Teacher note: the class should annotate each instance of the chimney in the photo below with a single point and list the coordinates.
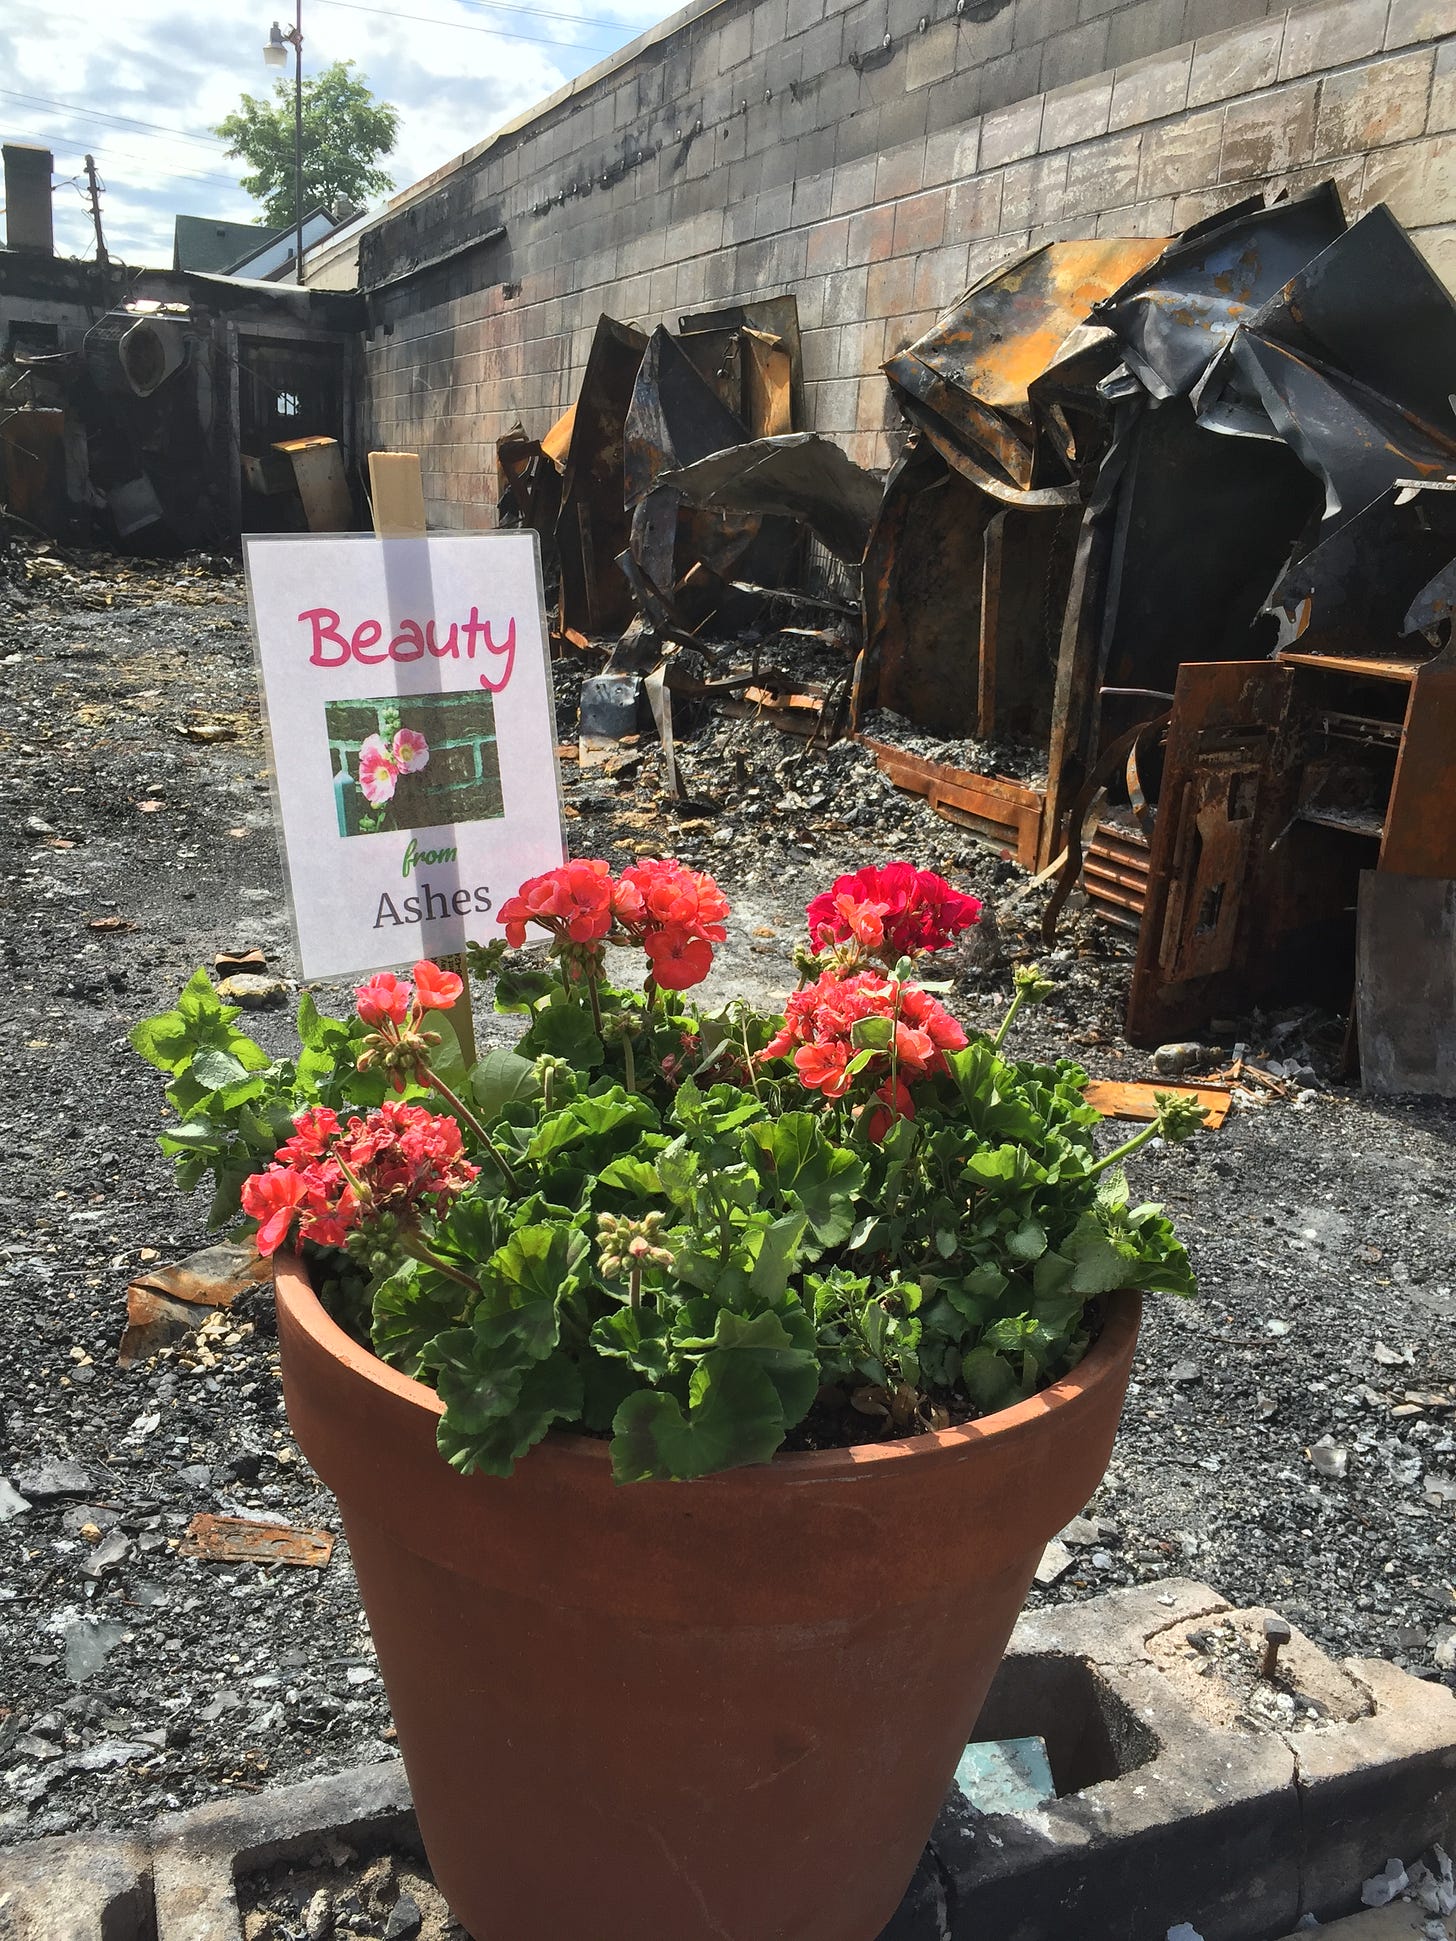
(28, 198)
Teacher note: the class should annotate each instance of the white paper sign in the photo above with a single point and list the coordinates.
(409, 708)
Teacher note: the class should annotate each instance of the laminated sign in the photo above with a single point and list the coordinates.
(409, 709)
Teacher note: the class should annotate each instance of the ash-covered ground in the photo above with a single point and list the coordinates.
(1288, 1438)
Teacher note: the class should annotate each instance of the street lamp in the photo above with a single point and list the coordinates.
(275, 56)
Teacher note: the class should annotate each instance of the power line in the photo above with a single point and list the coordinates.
(74, 142)
(463, 26)
(547, 13)
(126, 121)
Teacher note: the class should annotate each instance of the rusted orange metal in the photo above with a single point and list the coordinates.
(237, 1540)
(1116, 1099)
(965, 382)
(1006, 813)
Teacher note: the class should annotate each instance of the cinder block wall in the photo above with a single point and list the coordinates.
(754, 147)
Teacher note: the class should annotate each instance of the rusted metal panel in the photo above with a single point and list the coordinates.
(1002, 812)
(593, 525)
(922, 595)
(1420, 818)
(965, 383)
(238, 1540)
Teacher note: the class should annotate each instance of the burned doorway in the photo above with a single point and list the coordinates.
(287, 388)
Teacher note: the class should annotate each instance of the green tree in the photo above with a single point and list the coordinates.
(345, 131)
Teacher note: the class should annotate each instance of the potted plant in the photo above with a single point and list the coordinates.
(764, 1353)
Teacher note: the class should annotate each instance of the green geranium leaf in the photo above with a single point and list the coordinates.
(778, 1250)
(498, 1078)
(550, 1391)
(639, 1337)
(410, 1308)
(564, 1029)
(822, 1178)
(735, 1418)
(217, 1069)
(990, 1380)
(520, 989)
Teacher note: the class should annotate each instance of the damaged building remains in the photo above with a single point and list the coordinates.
(1058, 399)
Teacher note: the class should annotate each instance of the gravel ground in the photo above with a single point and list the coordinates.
(1269, 1446)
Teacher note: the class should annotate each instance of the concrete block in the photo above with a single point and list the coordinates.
(828, 247)
(951, 153)
(1319, 38)
(1412, 20)
(973, 208)
(1139, 219)
(1235, 62)
(940, 277)
(769, 23)
(1150, 90)
(1375, 105)
(1145, 28)
(735, 42)
(932, 55)
(954, 103)
(844, 300)
(1181, 154)
(1442, 112)
(871, 235)
(902, 121)
(1417, 179)
(890, 287)
(854, 187)
(1008, 134)
(861, 348)
(1011, 78)
(1270, 134)
(1105, 176)
(802, 15)
(919, 222)
(900, 173)
(1438, 246)
(986, 40)
(1075, 114)
(812, 196)
(1034, 192)
(1072, 56)
(1037, 20)
(87, 1887)
(198, 1856)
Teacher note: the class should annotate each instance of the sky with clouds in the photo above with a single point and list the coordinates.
(139, 84)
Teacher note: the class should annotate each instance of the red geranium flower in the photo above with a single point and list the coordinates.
(919, 910)
(385, 999)
(436, 989)
(678, 959)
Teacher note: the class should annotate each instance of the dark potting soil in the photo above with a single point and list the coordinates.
(1268, 1446)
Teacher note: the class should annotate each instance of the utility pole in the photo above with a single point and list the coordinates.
(298, 135)
(93, 188)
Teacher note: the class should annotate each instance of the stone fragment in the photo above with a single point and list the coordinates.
(12, 1503)
(1056, 1561)
(252, 992)
(1383, 1887)
(405, 1919)
(109, 1553)
(57, 1478)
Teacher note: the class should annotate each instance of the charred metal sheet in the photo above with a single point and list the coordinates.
(675, 418)
(1356, 442)
(593, 526)
(773, 317)
(238, 1540)
(922, 595)
(801, 476)
(1173, 316)
(1372, 307)
(966, 382)
(1357, 590)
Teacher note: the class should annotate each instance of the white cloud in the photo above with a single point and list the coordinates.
(179, 69)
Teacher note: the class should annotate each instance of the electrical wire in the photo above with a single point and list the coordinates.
(125, 121)
(150, 161)
(548, 13)
(469, 26)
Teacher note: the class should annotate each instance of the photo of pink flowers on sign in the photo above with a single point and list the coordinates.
(382, 747)
(412, 729)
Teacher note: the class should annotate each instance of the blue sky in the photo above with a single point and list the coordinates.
(140, 83)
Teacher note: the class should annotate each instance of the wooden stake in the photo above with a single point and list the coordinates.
(397, 500)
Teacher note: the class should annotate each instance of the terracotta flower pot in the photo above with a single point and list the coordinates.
(725, 1710)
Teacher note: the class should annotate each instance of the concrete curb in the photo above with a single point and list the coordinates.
(1162, 1817)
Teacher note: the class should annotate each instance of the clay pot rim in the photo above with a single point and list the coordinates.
(293, 1287)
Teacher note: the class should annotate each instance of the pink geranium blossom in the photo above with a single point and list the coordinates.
(378, 771)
